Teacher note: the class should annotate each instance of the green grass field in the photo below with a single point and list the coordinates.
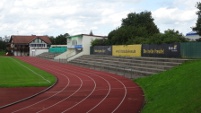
(15, 73)
(175, 91)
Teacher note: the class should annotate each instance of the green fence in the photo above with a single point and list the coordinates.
(58, 49)
(191, 50)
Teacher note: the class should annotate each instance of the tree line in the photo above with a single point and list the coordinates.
(59, 40)
(139, 28)
(2, 45)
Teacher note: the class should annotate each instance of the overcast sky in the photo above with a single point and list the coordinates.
(55, 17)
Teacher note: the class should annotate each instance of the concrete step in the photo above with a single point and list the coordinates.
(134, 58)
(166, 65)
(118, 67)
(128, 73)
(130, 67)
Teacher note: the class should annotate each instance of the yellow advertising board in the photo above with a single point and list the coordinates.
(127, 50)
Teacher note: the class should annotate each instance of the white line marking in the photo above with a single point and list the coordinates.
(84, 98)
(48, 97)
(124, 87)
(109, 90)
(64, 98)
(123, 97)
(30, 70)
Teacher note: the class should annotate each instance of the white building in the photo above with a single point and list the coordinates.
(193, 35)
(78, 45)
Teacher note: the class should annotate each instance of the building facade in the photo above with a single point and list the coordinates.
(78, 45)
(29, 45)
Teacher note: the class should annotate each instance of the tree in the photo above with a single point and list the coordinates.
(59, 40)
(139, 28)
(198, 40)
(143, 19)
(99, 42)
(133, 27)
(91, 33)
(52, 39)
(2, 45)
(169, 36)
(6, 38)
(198, 23)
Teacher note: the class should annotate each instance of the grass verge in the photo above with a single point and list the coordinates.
(15, 73)
(175, 91)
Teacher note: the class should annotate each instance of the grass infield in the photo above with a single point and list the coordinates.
(15, 73)
(175, 91)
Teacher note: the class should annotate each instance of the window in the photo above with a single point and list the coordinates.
(74, 42)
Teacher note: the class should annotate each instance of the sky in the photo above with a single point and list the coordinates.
(55, 17)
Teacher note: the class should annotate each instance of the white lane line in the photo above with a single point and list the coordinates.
(124, 87)
(119, 103)
(124, 94)
(64, 98)
(109, 90)
(84, 98)
(43, 99)
(85, 74)
(30, 70)
(48, 97)
(103, 89)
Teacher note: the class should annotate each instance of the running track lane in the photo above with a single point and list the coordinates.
(81, 90)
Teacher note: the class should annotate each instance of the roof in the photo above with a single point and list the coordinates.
(192, 33)
(17, 39)
(87, 35)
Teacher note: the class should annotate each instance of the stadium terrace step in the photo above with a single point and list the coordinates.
(48, 55)
(135, 58)
(118, 67)
(130, 67)
(132, 62)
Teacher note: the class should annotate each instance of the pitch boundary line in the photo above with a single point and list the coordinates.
(31, 70)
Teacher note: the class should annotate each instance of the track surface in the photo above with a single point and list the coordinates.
(81, 90)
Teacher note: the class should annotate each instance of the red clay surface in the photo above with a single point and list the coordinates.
(80, 90)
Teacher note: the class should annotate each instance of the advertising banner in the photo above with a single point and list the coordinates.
(127, 50)
(162, 50)
(102, 50)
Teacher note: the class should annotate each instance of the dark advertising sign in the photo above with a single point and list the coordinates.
(162, 50)
(102, 50)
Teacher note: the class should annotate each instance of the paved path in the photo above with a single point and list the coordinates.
(81, 90)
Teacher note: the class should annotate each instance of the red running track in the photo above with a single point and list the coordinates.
(81, 90)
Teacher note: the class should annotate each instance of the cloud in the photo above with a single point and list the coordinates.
(61, 16)
(180, 15)
(55, 17)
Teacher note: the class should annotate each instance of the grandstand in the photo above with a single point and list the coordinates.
(48, 55)
(54, 51)
(130, 67)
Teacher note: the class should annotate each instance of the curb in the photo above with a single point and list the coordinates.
(24, 99)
